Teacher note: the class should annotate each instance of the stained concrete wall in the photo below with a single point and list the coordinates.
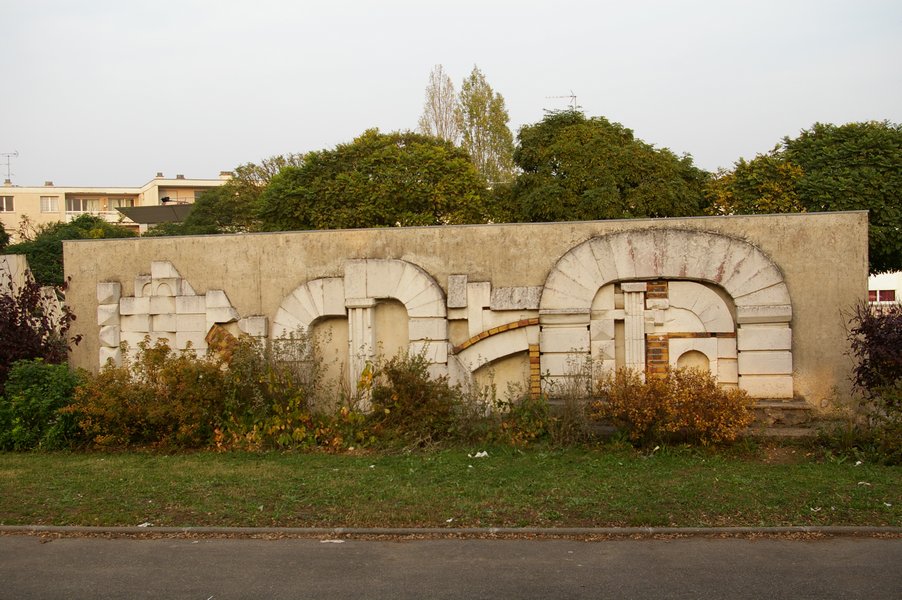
(821, 259)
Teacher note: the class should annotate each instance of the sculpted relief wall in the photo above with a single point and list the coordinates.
(755, 300)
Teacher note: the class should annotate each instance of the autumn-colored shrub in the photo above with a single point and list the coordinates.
(160, 398)
(686, 405)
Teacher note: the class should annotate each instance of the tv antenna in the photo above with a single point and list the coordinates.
(571, 98)
(7, 156)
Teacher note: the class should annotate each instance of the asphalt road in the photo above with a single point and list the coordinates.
(78, 567)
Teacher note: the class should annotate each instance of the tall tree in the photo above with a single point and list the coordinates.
(856, 166)
(482, 119)
(440, 108)
(378, 180)
(577, 168)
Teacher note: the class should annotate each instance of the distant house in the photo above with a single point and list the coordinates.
(885, 288)
(50, 203)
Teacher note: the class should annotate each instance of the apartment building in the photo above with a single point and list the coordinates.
(49, 203)
(885, 288)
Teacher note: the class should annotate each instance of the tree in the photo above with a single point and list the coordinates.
(4, 237)
(378, 180)
(482, 120)
(578, 168)
(857, 166)
(766, 184)
(45, 250)
(439, 118)
(232, 207)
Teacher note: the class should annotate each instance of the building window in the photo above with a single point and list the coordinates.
(872, 295)
(6, 204)
(78, 205)
(887, 296)
(115, 203)
(50, 204)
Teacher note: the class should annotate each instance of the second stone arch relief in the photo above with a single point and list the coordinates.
(379, 306)
(648, 299)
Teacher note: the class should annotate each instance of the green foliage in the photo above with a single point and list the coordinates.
(30, 328)
(482, 122)
(766, 184)
(378, 180)
(29, 407)
(410, 406)
(686, 405)
(578, 168)
(162, 399)
(45, 250)
(4, 237)
(857, 166)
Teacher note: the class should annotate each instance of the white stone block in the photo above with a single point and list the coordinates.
(726, 348)
(110, 354)
(333, 296)
(772, 295)
(196, 339)
(163, 323)
(457, 314)
(563, 363)
(162, 269)
(765, 363)
(222, 314)
(134, 306)
(564, 339)
(767, 386)
(532, 334)
(564, 317)
(431, 306)
(727, 371)
(764, 314)
(605, 350)
(109, 336)
(142, 286)
(434, 352)
(428, 329)
(677, 347)
(187, 290)
(457, 291)
(657, 303)
(383, 277)
(515, 298)
(632, 287)
(751, 337)
(217, 299)
(255, 326)
(355, 279)
(191, 322)
(132, 338)
(162, 305)
(196, 305)
(108, 314)
(109, 292)
(171, 286)
(136, 323)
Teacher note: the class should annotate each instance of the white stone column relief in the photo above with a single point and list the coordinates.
(634, 324)
(361, 337)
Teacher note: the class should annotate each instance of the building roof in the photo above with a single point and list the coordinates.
(152, 215)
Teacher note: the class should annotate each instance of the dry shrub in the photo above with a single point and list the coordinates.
(686, 405)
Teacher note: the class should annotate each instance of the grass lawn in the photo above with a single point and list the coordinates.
(767, 486)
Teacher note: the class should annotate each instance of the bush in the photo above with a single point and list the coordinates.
(30, 407)
(411, 406)
(29, 329)
(162, 398)
(686, 405)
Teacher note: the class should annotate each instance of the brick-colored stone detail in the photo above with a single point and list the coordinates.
(657, 290)
(495, 331)
(535, 371)
(657, 355)
(701, 334)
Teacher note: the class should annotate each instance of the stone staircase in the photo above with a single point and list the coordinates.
(783, 419)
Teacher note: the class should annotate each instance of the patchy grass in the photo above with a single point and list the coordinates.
(446, 488)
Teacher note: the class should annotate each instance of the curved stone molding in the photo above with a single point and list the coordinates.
(308, 302)
(750, 278)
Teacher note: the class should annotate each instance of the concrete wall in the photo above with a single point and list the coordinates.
(482, 293)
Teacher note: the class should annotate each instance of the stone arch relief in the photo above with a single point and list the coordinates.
(365, 282)
(645, 273)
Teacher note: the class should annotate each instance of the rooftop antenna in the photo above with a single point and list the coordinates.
(571, 97)
(7, 156)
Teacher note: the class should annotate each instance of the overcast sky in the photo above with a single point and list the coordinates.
(110, 92)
